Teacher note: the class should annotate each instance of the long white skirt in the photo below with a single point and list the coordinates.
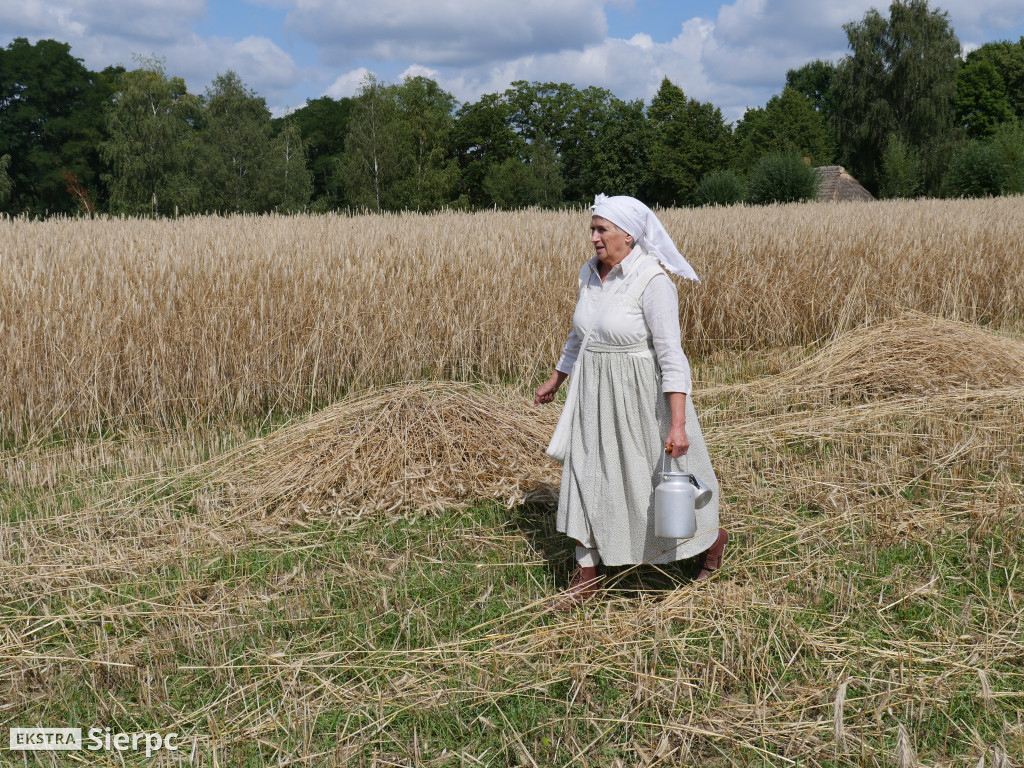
(614, 463)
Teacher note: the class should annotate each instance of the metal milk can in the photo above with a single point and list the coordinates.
(674, 512)
(675, 504)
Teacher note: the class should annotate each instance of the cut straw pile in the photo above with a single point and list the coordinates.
(911, 355)
(426, 446)
(416, 446)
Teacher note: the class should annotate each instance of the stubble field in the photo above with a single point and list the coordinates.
(274, 484)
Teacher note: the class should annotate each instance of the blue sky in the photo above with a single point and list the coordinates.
(734, 53)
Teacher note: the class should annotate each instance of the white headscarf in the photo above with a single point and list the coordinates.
(636, 219)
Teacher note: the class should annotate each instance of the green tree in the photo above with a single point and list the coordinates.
(243, 167)
(483, 140)
(400, 151)
(781, 178)
(374, 161)
(51, 121)
(587, 139)
(425, 112)
(288, 165)
(992, 166)
(1008, 140)
(577, 123)
(977, 170)
(690, 139)
(515, 183)
(600, 142)
(982, 102)
(1008, 60)
(721, 188)
(899, 79)
(323, 124)
(153, 145)
(814, 80)
(547, 170)
(512, 184)
(620, 162)
(6, 186)
(901, 173)
(787, 124)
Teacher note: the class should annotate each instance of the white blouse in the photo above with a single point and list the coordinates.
(659, 320)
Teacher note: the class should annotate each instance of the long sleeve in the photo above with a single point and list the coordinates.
(660, 303)
(569, 353)
(571, 350)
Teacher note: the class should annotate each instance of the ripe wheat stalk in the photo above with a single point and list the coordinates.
(109, 321)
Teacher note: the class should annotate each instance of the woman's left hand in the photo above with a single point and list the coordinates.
(676, 444)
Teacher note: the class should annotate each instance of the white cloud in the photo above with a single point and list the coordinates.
(259, 59)
(736, 57)
(67, 20)
(348, 84)
(736, 60)
(146, 22)
(282, 5)
(415, 70)
(447, 32)
(980, 21)
(630, 69)
(262, 65)
(754, 42)
(39, 19)
(150, 21)
(101, 35)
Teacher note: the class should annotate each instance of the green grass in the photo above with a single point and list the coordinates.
(436, 602)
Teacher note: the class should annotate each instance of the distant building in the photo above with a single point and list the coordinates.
(835, 185)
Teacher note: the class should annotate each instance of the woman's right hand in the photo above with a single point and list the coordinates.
(545, 393)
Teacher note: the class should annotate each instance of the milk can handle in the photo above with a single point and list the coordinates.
(664, 461)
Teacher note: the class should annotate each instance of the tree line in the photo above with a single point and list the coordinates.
(903, 111)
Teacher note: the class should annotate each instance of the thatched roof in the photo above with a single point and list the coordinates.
(837, 186)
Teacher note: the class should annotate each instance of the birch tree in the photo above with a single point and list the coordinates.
(374, 162)
(153, 144)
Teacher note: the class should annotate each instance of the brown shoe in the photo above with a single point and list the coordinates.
(583, 585)
(712, 558)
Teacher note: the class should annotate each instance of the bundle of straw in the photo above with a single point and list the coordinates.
(911, 354)
(414, 446)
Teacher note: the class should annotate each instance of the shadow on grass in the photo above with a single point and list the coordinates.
(535, 518)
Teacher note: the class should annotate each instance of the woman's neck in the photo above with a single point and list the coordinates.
(603, 267)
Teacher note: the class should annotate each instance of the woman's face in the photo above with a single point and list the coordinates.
(610, 242)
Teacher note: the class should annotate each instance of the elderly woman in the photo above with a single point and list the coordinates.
(631, 398)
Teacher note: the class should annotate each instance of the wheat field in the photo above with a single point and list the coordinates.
(107, 322)
(275, 484)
